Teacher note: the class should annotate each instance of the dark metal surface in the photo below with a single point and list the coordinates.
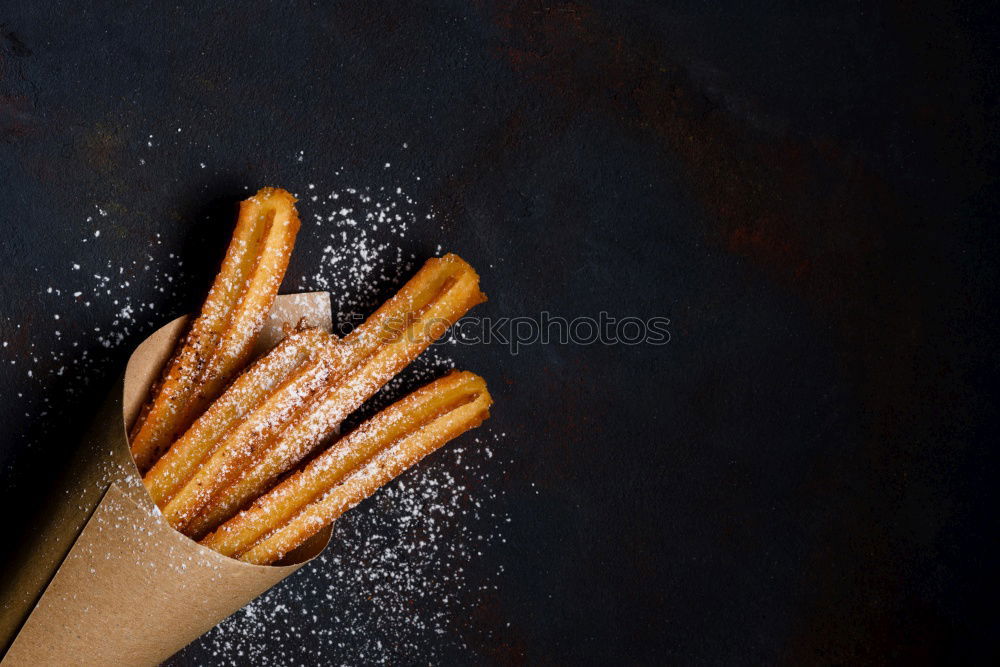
(801, 475)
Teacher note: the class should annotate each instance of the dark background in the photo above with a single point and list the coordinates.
(806, 190)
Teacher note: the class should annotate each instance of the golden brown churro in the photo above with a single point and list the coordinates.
(434, 299)
(353, 468)
(221, 338)
(237, 444)
(175, 468)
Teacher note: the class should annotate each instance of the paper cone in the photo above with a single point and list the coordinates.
(105, 580)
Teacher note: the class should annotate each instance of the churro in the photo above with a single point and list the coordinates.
(246, 394)
(236, 445)
(435, 298)
(353, 468)
(220, 340)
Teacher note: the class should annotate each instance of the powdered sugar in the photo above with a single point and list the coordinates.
(398, 582)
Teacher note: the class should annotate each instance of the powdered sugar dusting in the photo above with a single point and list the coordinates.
(364, 230)
(395, 584)
(74, 362)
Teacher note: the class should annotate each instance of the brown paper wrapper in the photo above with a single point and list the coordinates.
(105, 580)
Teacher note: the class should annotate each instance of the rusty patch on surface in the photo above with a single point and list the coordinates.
(17, 119)
(819, 222)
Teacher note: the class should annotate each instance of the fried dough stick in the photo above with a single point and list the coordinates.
(221, 338)
(238, 440)
(434, 299)
(353, 468)
(175, 468)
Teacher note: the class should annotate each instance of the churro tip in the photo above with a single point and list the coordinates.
(269, 192)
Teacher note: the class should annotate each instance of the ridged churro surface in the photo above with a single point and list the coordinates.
(220, 339)
(248, 435)
(246, 394)
(354, 468)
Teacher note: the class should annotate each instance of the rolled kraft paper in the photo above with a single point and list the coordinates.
(106, 580)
